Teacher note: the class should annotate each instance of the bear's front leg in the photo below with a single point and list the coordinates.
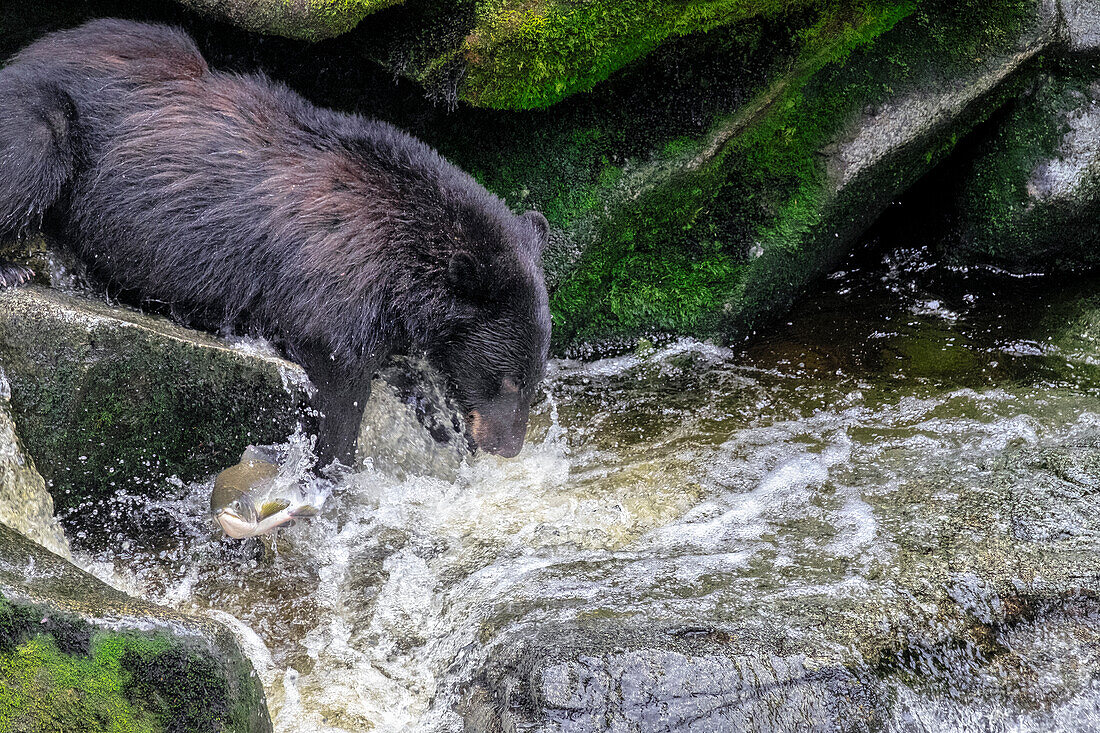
(342, 394)
(340, 409)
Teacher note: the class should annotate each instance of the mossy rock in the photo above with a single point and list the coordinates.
(79, 656)
(1030, 198)
(700, 191)
(111, 400)
(507, 54)
(310, 20)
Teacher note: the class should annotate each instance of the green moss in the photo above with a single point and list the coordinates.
(671, 261)
(42, 689)
(532, 53)
(58, 674)
(654, 270)
(322, 18)
(802, 224)
(1005, 221)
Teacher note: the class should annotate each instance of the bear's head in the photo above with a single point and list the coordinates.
(496, 355)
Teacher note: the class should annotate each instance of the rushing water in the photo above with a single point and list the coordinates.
(883, 514)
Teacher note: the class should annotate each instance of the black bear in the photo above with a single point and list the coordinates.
(244, 207)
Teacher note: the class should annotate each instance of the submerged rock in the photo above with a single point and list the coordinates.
(985, 593)
(76, 654)
(605, 676)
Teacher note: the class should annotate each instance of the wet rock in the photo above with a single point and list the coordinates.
(76, 653)
(25, 505)
(411, 427)
(985, 590)
(1031, 197)
(604, 676)
(1081, 24)
(108, 399)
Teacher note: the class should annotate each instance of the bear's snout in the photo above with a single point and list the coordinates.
(499, 428)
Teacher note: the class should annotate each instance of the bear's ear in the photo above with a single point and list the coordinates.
(541, 228)
(466, 275)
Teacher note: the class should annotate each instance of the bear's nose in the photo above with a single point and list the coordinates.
(509, 447)
(500, 437)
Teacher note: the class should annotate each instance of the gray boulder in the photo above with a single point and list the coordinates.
(25, 505)
(1081, 24)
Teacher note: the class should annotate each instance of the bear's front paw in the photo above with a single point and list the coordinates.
(14, 275)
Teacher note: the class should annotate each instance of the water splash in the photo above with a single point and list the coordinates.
(882, 506)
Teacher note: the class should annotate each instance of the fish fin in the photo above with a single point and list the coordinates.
(272, 506)
(305, 510)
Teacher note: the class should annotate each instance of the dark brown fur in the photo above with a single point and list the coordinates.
(245, 207)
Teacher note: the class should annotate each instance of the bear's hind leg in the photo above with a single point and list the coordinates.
(37, 151)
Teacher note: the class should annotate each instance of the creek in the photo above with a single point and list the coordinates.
(880, 515)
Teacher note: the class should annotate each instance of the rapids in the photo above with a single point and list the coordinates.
(890, 495)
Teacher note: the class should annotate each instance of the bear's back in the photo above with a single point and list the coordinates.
(112, 50)
(232, 198)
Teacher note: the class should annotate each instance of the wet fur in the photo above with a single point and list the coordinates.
(244, 207)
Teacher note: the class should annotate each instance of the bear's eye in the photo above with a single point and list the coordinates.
(509, 386)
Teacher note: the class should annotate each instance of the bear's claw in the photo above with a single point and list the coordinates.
(14, 275)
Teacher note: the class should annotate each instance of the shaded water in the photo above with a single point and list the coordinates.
(883, 515)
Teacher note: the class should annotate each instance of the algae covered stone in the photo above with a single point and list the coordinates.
(524, 55)
(77, 655)
(310, 20)
(1030, 198)
(110, 399)
(695, 195)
